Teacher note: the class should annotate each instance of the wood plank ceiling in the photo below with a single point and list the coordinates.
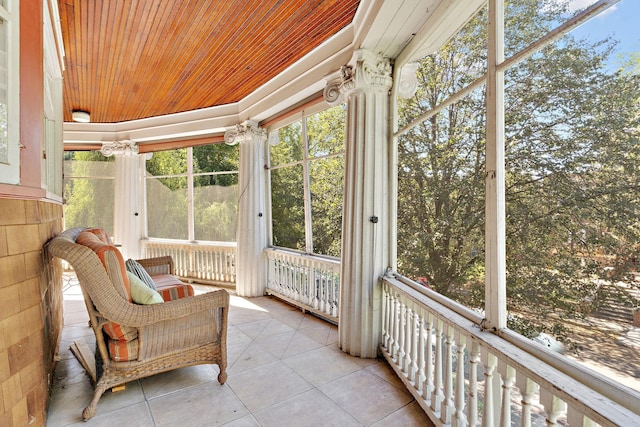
(129, 60)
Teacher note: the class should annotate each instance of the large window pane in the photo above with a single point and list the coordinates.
(327, 184)
(287, 207)
(4, 99)
(289, 149)
(89, 187)
(572, 147)
(441, 200)
(216, 207)
(215, 158)
(325, 131)
(167, 208)
(166, 163)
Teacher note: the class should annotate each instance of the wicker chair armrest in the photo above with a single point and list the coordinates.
(158, 265)
(134, 315)
(110, 304)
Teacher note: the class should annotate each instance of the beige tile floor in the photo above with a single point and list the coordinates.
(285, 369)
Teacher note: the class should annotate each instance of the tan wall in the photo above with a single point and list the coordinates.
(30, 309)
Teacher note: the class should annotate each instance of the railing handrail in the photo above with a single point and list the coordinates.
(189, 242)
(308, 281)
(567, 383)
(617, 392)
(458, 308)
(292, 252)
(204, 262)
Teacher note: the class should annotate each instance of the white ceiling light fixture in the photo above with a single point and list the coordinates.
(81, 116)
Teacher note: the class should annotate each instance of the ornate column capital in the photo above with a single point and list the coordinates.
(370, 71)
(408, 83)
(247, 131)
(119, 148)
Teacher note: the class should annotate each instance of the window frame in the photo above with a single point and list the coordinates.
(10, 171)
(52, 161)
(190, 175)
(304, 162)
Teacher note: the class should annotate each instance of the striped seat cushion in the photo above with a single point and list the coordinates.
(123, 351)
(171, 288)
(119, 332)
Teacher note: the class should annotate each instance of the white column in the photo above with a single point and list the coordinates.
(251, 235)
(127, 221)
(495, 240)
(366, 222)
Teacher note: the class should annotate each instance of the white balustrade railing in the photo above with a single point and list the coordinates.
(307, 281)
(200, 262)
(462, 375)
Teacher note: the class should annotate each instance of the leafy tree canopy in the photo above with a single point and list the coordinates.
(572, 147)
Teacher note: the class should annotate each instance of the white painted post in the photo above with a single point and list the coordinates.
(416, 331)
(366, 222)
(495, 258)
(252, 233)
(128, 203)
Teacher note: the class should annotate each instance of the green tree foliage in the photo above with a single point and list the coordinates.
(287, 189)
(215, 181)
(216, 192)
(325, 167)
(572, 182)
(89, 190)
(325, 132)
(215, 158)
(167, 203)
(167, 163)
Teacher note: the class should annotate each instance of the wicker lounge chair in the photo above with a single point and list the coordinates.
(188, 331)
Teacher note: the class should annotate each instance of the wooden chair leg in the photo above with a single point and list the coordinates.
(222, 377)
(90, 410)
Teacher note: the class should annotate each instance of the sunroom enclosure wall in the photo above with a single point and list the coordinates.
(376, 313)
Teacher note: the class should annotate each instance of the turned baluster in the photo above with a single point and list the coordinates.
(472, 405)
(437, 395)
(508, 380)
(553, 406)
(459, 416)
(428, 390)
(447, 404)
(528, 389)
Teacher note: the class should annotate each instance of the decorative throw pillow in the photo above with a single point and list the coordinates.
(134, 267)
(141, 293)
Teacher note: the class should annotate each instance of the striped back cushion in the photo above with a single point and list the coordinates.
(114, 265)
(111, 259)
(100, 234)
